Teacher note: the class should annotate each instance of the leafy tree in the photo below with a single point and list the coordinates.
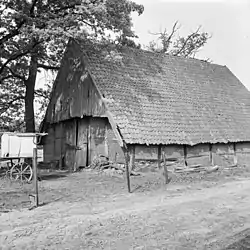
(173, 44)
(33, 36)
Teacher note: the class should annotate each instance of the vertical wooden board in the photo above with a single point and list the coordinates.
(70, 132)
(243, 147)
(173, 151)
(198, 154)
(223, 160)
(159, 156)
(97, 137)
(243, 159)
(243, 153)
(197, 150)
(58, 130)
(223, 154)
(48, 145)
(82, 142)
(115, 152)
(57, 152)
(48, 152)
(202, 160)
(84, 97)
(69, 159)
(131, 149)
(223, 149)
(70, 139)
(144, 152)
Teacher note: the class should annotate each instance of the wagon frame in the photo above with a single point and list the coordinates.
(19, 167)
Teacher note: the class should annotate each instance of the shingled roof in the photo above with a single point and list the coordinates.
(163, 99)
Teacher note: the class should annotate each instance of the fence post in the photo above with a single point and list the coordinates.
(35, 175)
(235, 155)
(165, 167)
(211, 156)
(185, 155)
(127, 169)
(159, 156)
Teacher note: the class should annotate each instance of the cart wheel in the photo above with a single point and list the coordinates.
(21, 171)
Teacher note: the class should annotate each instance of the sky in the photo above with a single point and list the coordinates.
(227, 21)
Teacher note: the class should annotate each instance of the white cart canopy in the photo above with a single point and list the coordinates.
(15, 145)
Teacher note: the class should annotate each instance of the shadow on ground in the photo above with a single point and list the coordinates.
(242, 241)
(51, 176)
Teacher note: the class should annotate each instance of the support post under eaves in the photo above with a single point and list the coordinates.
(126, 154)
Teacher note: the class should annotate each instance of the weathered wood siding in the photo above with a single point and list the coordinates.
(49, 145)
(114, 150)
(222, 154)
(70, 144)
(173, 151)
(143, 152)
(74, 94)
(82, 142)
(78, 141)
(198, 154)
(97, 143)
(243, 153)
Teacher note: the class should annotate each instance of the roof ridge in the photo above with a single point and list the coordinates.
(152, 53)
(158, 54)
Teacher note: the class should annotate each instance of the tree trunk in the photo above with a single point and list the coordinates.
(29, 115)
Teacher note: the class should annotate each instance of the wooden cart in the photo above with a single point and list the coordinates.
(16, 155)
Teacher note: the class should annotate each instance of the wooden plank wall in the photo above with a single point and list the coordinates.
(114, 150)
(203, 154)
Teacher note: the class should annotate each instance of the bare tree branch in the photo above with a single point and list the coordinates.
(18, 55)
(21, 77)
(32, 8)
(165, 38)
(5, 78)
(5, 106)
(47, 67)
(174, 30)
(12, 33)
(41, 94)
(186, 41)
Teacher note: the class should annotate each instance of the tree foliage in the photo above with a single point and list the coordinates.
(173, 44)
(33, 36)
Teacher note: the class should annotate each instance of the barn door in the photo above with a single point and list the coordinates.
(97, 138)
(70, 144)
(82, 143)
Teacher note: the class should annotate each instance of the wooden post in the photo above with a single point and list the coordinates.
(159, 156)
(132, 158)
(165, 167)
(35, 176)
(235, 156)
(185, 155)
(211, 158)
(61, 148)
(127, 169)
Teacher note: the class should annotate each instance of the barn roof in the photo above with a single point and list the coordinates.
(163, 99)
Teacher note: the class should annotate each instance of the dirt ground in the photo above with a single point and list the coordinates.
(90, 210)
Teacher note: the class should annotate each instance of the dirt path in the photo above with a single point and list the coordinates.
(196, 218)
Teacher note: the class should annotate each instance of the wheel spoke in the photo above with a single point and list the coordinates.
(17, 170)
(27, 172)
(26, 168)
(22, 172)
(26, 178)
(15, 176)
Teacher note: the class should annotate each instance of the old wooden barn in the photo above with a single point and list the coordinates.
(111, 99)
